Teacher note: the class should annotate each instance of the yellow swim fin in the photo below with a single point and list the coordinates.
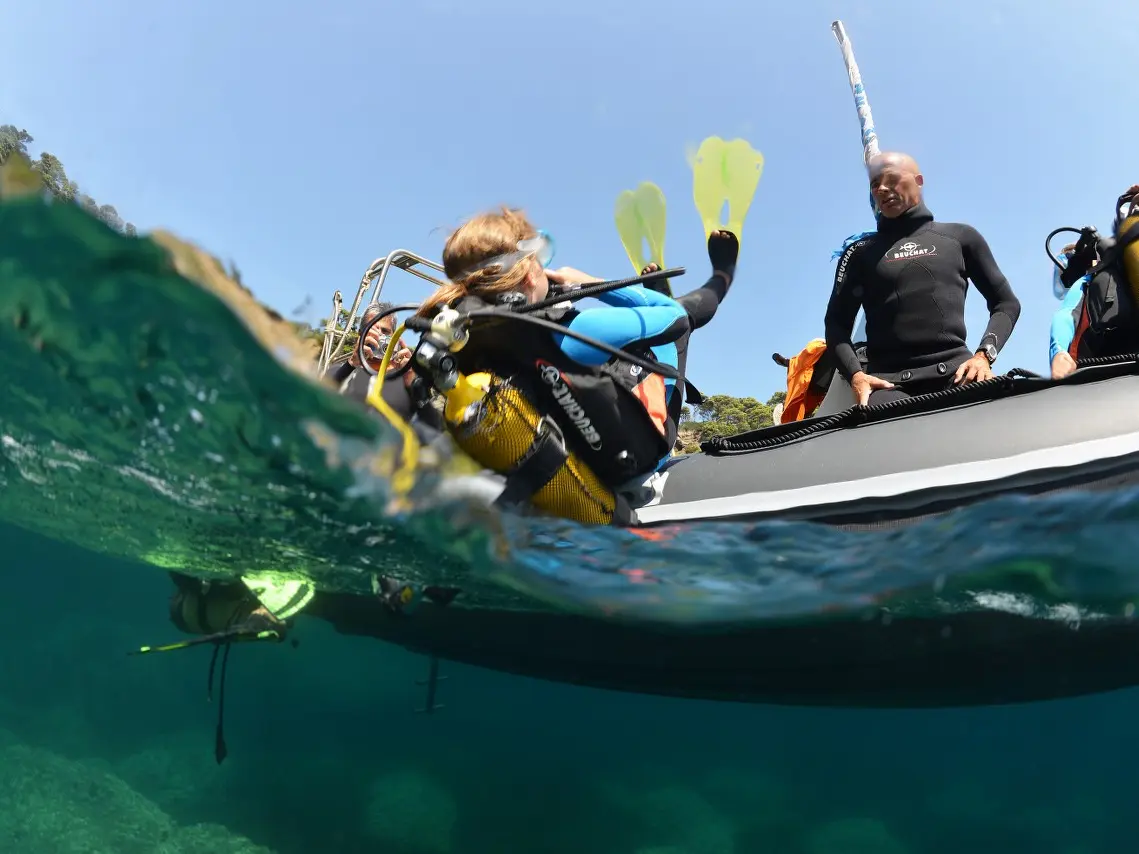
(282, 595)
(725, 172)
(641, 217)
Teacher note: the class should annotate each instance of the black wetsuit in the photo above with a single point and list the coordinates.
(911, 278)
(701, 305)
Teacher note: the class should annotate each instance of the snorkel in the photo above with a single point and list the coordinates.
(1059, 290)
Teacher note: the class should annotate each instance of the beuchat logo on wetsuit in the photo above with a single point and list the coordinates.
(910, 249)
(560, 388)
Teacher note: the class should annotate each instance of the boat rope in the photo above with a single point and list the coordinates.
(1016, 381)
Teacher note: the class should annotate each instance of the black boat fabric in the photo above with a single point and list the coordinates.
(905, 460)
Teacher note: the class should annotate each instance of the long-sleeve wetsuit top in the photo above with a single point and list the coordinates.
(633, 316)
(911, 278)
(1064, 320)
(701, 305)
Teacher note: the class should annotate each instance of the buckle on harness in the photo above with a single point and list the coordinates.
(549, 426)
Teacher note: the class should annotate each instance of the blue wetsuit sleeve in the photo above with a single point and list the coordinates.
(660, 320)
(1064, 321)
(635, 296)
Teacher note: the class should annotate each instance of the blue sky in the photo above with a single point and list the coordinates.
(303, 140)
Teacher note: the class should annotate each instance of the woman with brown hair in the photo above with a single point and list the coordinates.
(613, 412)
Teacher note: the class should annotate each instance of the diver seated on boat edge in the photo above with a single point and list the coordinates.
(619, 418)
(594, 412)
(1074, 335)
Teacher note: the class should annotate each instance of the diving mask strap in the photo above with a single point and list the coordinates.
(540, 247)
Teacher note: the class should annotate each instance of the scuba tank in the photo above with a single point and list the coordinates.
(209, 608)
(497, 425)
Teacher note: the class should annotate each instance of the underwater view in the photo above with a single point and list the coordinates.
(769, 538)
(109, 753)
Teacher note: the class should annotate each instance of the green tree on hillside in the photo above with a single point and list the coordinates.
(724, 415)
(349, 340)
(15, 141)
(48, 171)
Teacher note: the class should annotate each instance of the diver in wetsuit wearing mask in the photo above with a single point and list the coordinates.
(1098, 315)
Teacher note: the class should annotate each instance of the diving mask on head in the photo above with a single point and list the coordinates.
(540, 247)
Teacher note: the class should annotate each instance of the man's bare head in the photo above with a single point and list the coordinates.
(895, 182)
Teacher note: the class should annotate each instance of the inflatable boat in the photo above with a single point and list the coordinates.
(852, 466)
(913, 458)
(857, 467)
(865, 467)
(974, 658)
(873, 466)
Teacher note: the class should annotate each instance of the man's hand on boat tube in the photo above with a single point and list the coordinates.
(974, 370)
(862, 384)
(1062, 365)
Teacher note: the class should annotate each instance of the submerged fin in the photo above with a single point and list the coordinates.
(641, 217)
(281, 595)
(725, 172)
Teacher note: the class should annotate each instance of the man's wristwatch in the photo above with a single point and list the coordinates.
(989, 351)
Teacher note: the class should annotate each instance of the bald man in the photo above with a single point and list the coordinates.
(911, 277)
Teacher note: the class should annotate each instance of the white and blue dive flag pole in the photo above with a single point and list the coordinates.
(861, 104)
(869, 139)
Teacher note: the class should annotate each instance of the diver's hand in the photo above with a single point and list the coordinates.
(1062, 365)
(262, 620)
(723, 250)
(375, 343)
(372, 341)
(661, 286)
(974, 370)
(369, 346)
(569, 277)
(863, 383)
(399, 358)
